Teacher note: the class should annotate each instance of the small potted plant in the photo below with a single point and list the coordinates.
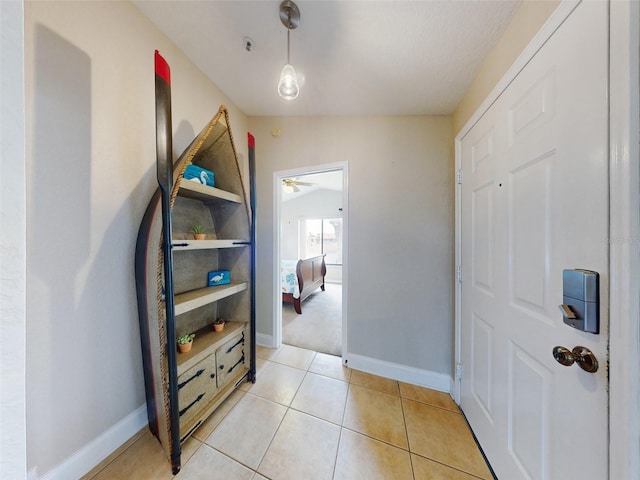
(185, 342)
(198, 232)
(218, 324)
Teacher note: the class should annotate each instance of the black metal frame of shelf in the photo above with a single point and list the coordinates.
(156, 291)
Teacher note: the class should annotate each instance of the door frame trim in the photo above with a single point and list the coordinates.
(624, 226)
(624, 239)
(277, 242)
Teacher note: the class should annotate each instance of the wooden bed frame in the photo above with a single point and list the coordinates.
(310, 273)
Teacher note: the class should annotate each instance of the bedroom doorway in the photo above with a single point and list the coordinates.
(311, 241)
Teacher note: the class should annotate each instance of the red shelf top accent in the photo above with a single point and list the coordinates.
(162, 68)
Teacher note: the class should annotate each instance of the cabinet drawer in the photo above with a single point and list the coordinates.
(230, 358)
(196, 387)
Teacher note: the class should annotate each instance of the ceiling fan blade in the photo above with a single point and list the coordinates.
(305, 184)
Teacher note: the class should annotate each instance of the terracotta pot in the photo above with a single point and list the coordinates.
(218, 327)
(185, 347)
(199, 236)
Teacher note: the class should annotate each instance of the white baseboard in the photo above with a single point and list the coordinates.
(97, 450)
(265, 340)
(396, 371)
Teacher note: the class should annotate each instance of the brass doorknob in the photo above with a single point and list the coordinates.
(563, 356)
(580, 355)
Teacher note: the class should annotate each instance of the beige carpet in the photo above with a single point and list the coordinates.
(319, 327)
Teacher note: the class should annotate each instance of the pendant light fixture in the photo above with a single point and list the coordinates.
(288, 85)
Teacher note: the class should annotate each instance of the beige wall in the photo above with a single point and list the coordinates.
(400, 232)
(526, 22)
(90, 173)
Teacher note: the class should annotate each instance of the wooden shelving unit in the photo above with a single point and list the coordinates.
(182, 245)
(207, 341)
(183, 389)
(193, 299)
(206, 194)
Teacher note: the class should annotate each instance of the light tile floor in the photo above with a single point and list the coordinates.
(308, 417)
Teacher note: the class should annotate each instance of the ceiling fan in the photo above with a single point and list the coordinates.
(290, 185)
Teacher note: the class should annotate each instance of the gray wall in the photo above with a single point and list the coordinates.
(13, 455)
(400, 237)
(90, 174)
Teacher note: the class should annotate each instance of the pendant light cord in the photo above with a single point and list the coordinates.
(288, 31)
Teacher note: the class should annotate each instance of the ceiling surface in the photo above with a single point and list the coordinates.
(352, 57)
(331, 180)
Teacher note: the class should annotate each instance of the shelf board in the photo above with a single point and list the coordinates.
(181, 245)
(205, 193)
(193, 299)
(206, 342)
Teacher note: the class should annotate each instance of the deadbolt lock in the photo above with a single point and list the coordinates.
(580, 355)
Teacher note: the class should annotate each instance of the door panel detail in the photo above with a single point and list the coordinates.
(536, 107)
(481, 363)
(529, 386)
(482, 238)
(482, 150)
(529, 239)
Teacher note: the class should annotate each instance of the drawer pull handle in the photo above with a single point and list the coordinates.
(237, 363)
(197, 374)
(241, 341)
(213, 375)
(184, 410)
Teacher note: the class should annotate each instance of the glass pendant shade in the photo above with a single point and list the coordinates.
(288, 85)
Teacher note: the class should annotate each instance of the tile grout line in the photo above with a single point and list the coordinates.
(268, 363)
(370, 436)
(376, 439)
(335, 461)
(457, 468)
(342, 428)
(288, 407)
(235, 460)
(431, 405)
(439, 462)
(406, 432)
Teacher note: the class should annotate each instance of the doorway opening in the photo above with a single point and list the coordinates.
(310, 249)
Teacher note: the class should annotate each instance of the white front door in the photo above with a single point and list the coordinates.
(534, 201)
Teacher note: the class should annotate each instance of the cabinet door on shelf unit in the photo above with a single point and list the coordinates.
(196, 387)
(231, 358)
